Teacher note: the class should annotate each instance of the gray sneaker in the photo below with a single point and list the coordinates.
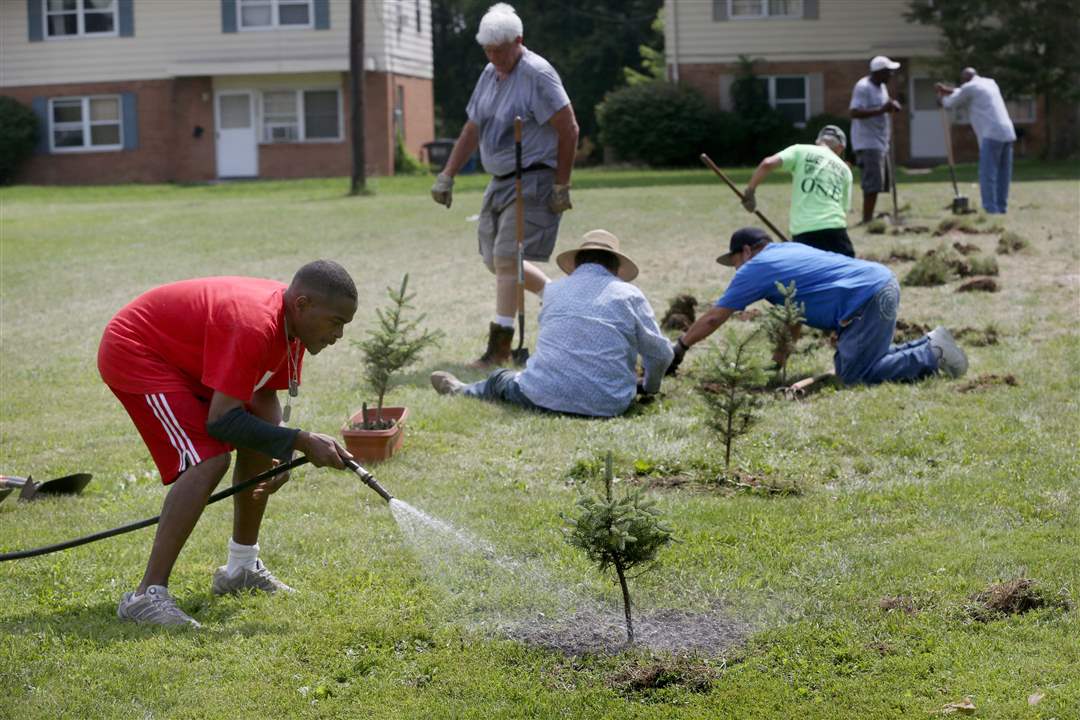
(445, 383)
(258, 579)
(155, 606)
(951, 359)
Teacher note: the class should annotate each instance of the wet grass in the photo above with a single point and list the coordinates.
(920, 491)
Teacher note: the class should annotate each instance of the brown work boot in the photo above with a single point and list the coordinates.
(500, 341)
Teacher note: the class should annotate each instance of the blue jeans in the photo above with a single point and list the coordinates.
(502, 386)
(865, 353)
(995, 172)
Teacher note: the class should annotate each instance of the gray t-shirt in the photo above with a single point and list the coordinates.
(532, 90)
(870, 133)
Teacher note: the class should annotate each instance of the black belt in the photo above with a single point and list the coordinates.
(531, 168)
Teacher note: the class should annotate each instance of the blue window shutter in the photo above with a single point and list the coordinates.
(810, 9)
(322, 14)
(34, 20)
(228, 16)
(127, 17)
(719, 10)
(40, 106)
(130, 117)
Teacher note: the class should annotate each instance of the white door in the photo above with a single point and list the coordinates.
(237, 145)
(927, 130)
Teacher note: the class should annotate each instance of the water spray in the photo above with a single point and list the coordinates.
(368, 479)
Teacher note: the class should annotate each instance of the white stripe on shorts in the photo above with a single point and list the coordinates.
(177, 437)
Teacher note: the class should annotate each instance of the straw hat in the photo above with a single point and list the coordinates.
(599, 240)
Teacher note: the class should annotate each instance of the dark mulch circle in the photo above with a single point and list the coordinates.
(988, 380)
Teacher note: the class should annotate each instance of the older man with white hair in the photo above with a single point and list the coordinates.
(993, 129)
(516, 82)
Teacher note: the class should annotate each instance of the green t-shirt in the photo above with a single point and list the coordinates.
(820, 188)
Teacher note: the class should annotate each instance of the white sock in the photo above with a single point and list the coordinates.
(241, 557)
(505, 320)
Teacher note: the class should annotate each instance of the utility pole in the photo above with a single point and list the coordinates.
(356, 90)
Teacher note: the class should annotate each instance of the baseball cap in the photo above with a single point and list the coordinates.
(881, 62)
(834, 133)
(743, 237)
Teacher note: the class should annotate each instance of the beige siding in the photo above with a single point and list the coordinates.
(845, 29)
(184, 38)
(407, 49)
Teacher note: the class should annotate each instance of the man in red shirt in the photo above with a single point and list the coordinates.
(197, 365)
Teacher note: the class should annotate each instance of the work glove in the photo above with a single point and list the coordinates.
(442, 191)
(560, 199)
(748, 200)
(679, 349)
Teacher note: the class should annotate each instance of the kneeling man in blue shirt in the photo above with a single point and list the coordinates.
(593, 326)
(855, 298)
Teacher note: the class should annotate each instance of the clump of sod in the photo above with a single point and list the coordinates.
(620, 533)
(1010, 242)
(933, 268)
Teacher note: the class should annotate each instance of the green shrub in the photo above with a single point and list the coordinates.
(657, 123)
(19, 133)
(404, 162)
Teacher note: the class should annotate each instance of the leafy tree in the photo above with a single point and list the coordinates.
(391, 346)
(19, 133)
(620, 533)
(783, 326)
(654, 66)
(1027, 46)
(729, 377)
(589, 42)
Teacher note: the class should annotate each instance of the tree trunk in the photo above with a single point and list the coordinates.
(626, 601)
(356, 89)
(728, 436)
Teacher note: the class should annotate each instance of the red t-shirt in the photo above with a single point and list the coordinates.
(219, 333)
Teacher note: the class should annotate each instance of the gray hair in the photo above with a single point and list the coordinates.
(499, 25)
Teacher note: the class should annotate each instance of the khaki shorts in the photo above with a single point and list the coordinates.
(497, 233)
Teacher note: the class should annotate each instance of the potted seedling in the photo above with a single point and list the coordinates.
(391, 346)
(618, 534)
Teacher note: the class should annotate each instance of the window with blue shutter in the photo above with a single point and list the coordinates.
(35, 22)
(228, 16)
(322, 14)
(40, 106)
(130, 116)
(127, 17)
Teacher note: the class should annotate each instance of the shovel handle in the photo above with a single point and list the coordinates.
(13, 482)
(716, 169)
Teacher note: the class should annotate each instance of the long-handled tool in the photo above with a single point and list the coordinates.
(892, 182)
(521, 353)
(31, 490)
(367, 478)
(715, 168)
(960, 203)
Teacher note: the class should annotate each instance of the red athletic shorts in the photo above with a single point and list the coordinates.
(173, 426)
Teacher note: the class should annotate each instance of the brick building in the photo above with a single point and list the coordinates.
(812, 52)
(197, 90)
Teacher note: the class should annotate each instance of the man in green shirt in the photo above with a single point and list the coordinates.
(820, 194)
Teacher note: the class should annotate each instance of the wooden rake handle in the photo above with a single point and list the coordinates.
(716, 169)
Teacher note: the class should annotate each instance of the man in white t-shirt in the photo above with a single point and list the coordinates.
(993, 129)
(871, 130)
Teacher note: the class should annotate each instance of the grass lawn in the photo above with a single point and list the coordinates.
(920, 491)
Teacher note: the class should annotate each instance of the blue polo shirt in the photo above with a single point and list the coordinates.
(833, 286)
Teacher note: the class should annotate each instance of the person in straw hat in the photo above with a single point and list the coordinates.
(593, 327)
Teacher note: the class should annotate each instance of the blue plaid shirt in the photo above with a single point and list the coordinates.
(592, 328)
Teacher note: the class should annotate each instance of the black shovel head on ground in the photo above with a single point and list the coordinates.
(31, 490)
(960, 205)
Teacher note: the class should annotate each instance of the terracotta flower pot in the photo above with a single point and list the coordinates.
(375, 445)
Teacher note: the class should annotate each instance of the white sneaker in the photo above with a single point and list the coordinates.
(155, 606)
(445, 383)
(951, 359)
(258, 579)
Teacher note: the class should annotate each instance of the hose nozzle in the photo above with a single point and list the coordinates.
(369, 479)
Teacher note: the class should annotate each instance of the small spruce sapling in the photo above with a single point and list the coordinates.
(729, 378)
(620, 533)
(391, 346)
(783, 325)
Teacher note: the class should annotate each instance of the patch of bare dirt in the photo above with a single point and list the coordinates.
(709, 632)
(976, 337)
(988, 380)
(898, 603)
(683, 673)
(1014, 597)
(982, 284)
(680, 313)
(907, 331)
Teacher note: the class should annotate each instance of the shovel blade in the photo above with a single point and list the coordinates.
(67, 485)
(960, 205)
(4, 492)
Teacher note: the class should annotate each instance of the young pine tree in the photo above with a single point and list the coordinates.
(620, 533)
(783, 325)
(729, 377)
(391, 346)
